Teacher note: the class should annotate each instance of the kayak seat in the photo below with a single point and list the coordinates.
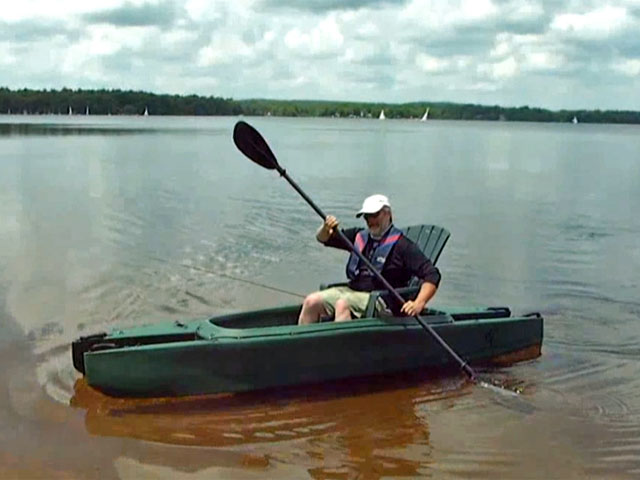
(392, 309)
(431, 240)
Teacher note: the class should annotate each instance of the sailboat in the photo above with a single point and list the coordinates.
(575, 120)
(70, 110)
(382, 117)
(86, 112)
(425, 116)
(146, 112)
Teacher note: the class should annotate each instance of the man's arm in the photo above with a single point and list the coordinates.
(328, 235)
(415, 307)
(421, 267)
(327, 229)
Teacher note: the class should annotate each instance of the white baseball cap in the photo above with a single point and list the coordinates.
(373, 204)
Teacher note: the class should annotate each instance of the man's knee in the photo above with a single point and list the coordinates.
(313, 300)
(342, 305)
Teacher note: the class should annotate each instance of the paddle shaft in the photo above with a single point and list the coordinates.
(463, 365)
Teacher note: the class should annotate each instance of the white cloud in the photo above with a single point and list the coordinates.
(478, 86)
(472, 10)
(199, 10)
(542, 61)
(596, 24)
(177, 39)
(99, 40)
(359, 52)
(533, 52)
(107, 39)
(502, 70)
(522, 10)
(29, 9)
(433, 14)
(7, 58)
(236, 12)
(324, 38)
(430, 64)
(630, 68)
(368, 30)
(505, 69)
(223, 49)
(503, 46)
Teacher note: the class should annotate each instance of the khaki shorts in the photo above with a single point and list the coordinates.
(357, 301)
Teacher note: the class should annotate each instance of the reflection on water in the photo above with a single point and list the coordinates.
(280, 414)
(99, 221)
(21, 129)
(99, 126)
(338, 437)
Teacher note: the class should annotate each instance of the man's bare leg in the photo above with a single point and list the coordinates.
(312, 309)
(343, 312)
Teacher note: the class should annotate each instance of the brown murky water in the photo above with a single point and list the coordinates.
(99, 225)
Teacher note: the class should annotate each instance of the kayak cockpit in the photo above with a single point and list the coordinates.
(288, 316)
(272, 317)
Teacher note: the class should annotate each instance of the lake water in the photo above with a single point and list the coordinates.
(108, 221)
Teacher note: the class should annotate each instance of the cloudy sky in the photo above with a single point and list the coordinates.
(549, 53)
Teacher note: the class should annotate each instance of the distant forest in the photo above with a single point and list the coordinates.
(121, 102)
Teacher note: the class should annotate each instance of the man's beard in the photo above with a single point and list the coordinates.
(379, 231)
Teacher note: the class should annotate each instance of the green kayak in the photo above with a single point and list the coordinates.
(266, 348)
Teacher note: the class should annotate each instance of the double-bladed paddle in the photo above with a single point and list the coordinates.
(254, 146)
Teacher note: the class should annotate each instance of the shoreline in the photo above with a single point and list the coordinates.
(117, 102)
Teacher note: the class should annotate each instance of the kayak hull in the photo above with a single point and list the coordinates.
(265, 349)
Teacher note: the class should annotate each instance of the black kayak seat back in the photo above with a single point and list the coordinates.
(430, 239)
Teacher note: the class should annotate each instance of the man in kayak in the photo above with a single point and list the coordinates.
(394, 255)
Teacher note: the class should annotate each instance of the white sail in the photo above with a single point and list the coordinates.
(425, 116)
(86, 112)
(146, 112)
(70, 110)
(575, 120)
(382, 117)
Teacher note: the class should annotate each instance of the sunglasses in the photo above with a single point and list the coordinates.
(367, 216)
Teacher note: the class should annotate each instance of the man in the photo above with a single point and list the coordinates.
(395, 256)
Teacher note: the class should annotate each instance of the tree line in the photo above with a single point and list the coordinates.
(127, 102)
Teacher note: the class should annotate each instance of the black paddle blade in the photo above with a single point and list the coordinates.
(251, 143)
